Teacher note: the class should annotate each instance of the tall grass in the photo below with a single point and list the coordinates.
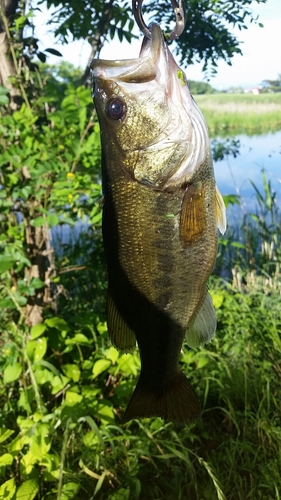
(239, 113)
(253, 247)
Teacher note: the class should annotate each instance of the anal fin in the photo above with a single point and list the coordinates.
(121, 336)
(203, 328)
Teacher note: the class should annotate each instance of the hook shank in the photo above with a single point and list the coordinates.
(179, 10)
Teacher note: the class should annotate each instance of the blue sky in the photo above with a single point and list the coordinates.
(261, 50)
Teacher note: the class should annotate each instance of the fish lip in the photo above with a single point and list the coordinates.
(156, 45)
(139, 70)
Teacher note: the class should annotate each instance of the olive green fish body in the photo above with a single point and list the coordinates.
(160, 219)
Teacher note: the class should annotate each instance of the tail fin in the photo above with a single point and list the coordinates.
(177, 402)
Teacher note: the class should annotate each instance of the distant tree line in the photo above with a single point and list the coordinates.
(200, 87)
(272, 85)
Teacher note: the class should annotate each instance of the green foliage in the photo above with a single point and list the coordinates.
(61, 435)
(272, 85)
(200, 87)
(223, 148)
(49, 173)
(57, 79)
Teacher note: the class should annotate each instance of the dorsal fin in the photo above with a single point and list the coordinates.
(220, 211)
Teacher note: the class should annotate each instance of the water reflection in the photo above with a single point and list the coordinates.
(259, 152)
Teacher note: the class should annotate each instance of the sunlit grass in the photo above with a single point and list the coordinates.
(239, 113)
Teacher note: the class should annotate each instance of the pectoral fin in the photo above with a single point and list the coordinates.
(220, 212)
(203, 328)
(121, 336)
(193, 215)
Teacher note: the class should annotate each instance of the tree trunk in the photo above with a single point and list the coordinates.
(7, 68)
(37, 242)
(40, 253)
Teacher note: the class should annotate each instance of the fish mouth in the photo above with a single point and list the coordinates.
(139, 70)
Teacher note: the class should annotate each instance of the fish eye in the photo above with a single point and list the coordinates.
(116, 108)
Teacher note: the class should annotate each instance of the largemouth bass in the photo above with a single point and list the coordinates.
(160, 218)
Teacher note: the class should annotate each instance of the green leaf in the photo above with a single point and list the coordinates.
(217, 299)
(71, 371)
(6, 262)
(27, 463)
(18, 444)
(3, 97)
(129, 363)
(69, 491)
(39, 221)
(202, 361)
(58, 323)
(3, 90)
(39, 447)
(236, 244)
(106, 414)
(79, 338)
(111, 354)
(28, 490)
(54, 52)
(72, 398)
(12, 373)
(6, 459)
(43, 376)
(7, 304)
(8, 489)
(40, 349)
(37, 330)
(58, 383)
(30, 347)
(3, 100)
(5, 434)
(41, 56)
(52, 220)
(37, 283)
(100, 366)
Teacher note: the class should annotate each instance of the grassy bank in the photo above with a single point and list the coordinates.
(241, 113)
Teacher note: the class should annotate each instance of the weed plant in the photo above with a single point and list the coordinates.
(251, 249)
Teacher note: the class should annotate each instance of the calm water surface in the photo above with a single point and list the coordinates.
(257, 153)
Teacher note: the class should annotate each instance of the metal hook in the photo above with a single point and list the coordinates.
(179, 11)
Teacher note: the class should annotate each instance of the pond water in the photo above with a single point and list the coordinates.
(257, 153)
